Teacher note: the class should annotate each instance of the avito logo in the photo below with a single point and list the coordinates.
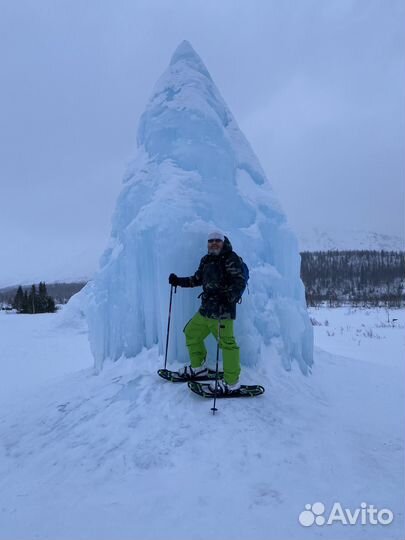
(366, 514)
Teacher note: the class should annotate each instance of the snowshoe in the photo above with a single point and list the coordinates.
(174, 376)
(204, 390)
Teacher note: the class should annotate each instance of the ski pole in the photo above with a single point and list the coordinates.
(168, 321)
(214, 409)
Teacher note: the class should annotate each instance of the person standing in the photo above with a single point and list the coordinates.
(221, 275)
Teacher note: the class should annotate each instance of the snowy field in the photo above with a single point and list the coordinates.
(125, 455)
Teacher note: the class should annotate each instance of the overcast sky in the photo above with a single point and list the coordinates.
(317, 86)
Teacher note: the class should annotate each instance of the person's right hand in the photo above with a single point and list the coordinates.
(173, 280)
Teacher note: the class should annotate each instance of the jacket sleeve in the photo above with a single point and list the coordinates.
(235, 278)
(195, 280)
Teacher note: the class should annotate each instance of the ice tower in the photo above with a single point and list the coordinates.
(195, 171)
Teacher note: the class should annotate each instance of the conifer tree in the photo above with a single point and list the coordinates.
(19, 300)
(42, 300)
(32, 300)
(25, 306)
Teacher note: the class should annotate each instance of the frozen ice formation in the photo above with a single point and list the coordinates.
(194, 172)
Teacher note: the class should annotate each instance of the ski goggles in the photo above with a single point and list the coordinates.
(211, 240)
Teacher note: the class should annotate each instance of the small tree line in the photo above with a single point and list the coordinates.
(36, 300)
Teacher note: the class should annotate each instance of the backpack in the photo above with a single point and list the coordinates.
(246, 276)
(245, 270)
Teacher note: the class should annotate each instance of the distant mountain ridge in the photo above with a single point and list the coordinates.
(318, 239)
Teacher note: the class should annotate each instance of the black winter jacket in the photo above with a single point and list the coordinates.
(222, 280)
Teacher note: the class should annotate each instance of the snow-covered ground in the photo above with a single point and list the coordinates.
(125, 455)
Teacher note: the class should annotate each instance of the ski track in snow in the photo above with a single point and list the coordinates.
(127, 455)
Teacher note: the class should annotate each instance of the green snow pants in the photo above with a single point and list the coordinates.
(198, 328)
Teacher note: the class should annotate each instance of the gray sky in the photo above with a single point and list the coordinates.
(317, 86)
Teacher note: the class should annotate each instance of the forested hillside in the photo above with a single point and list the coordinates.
(356, 277)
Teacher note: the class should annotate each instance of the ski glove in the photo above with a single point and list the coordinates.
(173, 280)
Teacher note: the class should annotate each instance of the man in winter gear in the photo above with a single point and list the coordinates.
(221, 276)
